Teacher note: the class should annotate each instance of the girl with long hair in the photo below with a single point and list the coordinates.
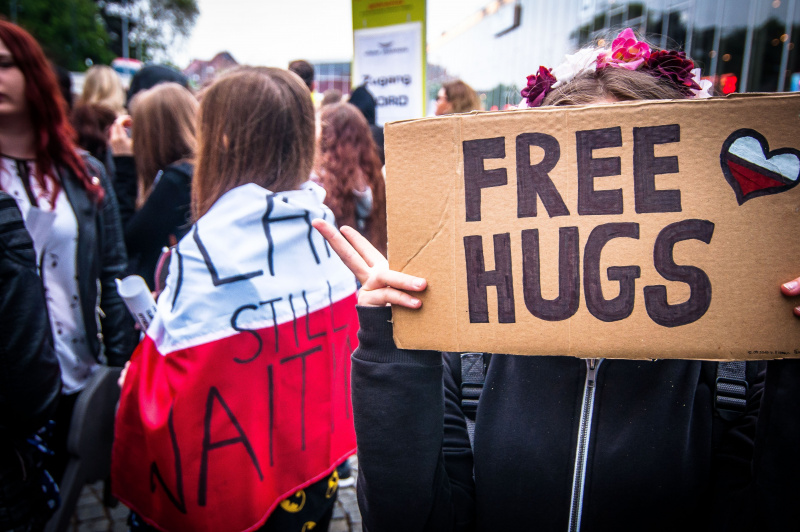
(236, 406)
(70, 211)
(349, 169)
(154, 183)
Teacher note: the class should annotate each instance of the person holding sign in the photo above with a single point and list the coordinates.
(559, 443)
(235, 410)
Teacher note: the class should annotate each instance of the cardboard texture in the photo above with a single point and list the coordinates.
(633, 230)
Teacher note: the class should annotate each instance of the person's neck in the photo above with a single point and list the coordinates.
(17, 139)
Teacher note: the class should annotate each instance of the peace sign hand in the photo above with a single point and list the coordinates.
(380, 286)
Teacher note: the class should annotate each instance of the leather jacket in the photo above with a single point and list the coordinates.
(101, 258)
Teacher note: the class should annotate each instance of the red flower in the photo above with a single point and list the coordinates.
(673, 66)
(539, 85)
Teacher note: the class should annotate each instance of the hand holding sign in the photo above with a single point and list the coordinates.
(380, 285)
(792, 288)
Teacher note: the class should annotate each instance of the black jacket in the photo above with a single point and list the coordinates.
(101, 258)
(653, 460)
(163, 219)
(30, 379)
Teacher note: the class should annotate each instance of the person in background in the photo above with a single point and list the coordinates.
(92, 123)
(246, 364)
(64, 83)
(151, 75)
(154, 173)
(103, 86)
(71, 215)
(348, 168)
(30, 380)
(331, 96)
(365, 102)
(305, 70)
(562, 443)
(456, 97)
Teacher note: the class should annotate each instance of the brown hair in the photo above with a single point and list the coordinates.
(103, 86)
(256, 125)
(305, 70)
(347, 161)
(92, 121)
(163, 131)
(461, 96)
(619, 84)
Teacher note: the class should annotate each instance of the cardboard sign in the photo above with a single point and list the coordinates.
(631, 230)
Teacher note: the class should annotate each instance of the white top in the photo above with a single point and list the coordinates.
(55, 237)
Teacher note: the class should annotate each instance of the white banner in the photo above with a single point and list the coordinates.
(389, 60)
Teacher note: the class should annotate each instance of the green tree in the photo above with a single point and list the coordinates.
(153, 25)
(71, 32)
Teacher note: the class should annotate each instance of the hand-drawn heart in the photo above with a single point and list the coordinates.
(752, 170)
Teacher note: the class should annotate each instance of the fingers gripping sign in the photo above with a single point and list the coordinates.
(792, 288)
(380, 285)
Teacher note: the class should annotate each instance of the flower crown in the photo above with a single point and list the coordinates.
(626, 52)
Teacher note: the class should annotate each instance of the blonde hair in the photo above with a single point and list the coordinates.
(461, 96)
(163, 131)
(103, 86)
(256, 125)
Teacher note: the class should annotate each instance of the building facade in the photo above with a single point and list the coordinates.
(740, 45)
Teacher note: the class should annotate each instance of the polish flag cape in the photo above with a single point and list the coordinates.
(239, 394)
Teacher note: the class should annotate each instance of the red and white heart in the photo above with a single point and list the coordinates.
(753, 171)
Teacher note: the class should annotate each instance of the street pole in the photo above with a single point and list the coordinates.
(125, 53)
(14, 11)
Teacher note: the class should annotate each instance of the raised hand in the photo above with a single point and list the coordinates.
(792, 288)
(380, 285)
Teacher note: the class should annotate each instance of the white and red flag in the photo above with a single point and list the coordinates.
(239, 394)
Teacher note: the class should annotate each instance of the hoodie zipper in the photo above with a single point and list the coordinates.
(582, 450)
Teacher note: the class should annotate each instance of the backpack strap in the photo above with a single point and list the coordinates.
(473, 375)
(730, 396)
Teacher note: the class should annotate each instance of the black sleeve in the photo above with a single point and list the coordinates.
(30, 378)
(777, 448)
(400, 407)
(119, 335)
(125, 186)
(165, 210)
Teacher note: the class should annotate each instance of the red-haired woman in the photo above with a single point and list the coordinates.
(71, 214)
(349, 169)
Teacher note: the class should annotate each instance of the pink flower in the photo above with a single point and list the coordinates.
(539, 85)
(626, 52)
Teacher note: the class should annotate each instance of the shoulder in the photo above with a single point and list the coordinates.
(15, 241)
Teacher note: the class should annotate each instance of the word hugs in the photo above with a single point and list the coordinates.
(581, 267)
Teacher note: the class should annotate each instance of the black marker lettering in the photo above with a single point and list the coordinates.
(655, 297)
(591, 201)
(249, 331)
(534, 179)
(213, 271)
(478, 279)
(476, 177)
(621, 306)
(208, 445)
(155, 475)
(302, 356)
(569, 291)
(646, 166)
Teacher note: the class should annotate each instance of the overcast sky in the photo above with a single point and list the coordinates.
(273, 32)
